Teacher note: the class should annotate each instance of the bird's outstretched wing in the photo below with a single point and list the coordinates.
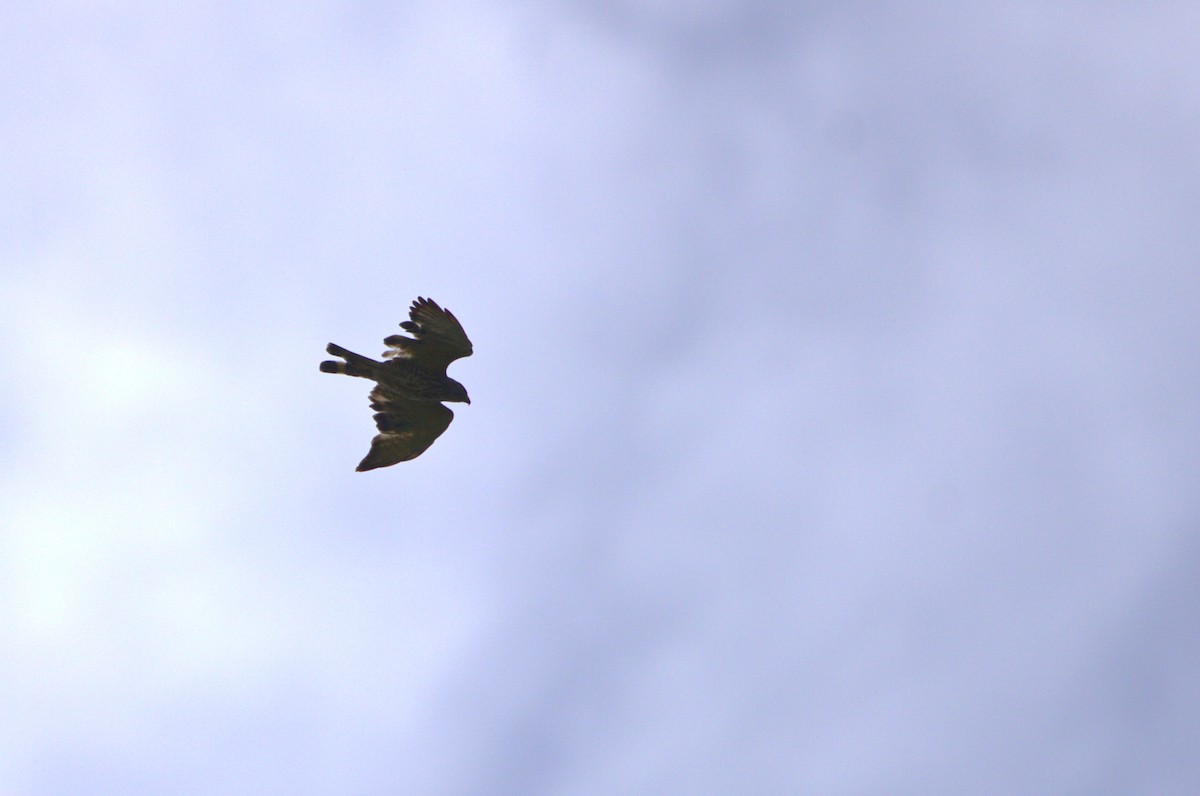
(439, 337)
(406, 428)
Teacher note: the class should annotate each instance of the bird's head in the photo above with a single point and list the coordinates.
(457, 392)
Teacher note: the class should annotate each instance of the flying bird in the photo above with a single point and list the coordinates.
(411, 384)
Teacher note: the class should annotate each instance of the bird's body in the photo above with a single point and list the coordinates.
(399, 377)
(410, 384)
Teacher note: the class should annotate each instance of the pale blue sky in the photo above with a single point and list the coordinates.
(834, 423)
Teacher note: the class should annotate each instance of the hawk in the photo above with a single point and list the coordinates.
(410, 384)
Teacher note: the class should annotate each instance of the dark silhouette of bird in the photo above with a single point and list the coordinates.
(410, 383)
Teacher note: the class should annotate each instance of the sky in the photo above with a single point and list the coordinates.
(834, 400)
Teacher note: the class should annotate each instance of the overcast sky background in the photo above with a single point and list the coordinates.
(836, 398)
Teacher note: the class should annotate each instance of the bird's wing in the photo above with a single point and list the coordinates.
(406, 429)
(439, 337)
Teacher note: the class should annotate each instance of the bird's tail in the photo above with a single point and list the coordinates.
(355, 364)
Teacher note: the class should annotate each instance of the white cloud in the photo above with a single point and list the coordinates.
(793, 459)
